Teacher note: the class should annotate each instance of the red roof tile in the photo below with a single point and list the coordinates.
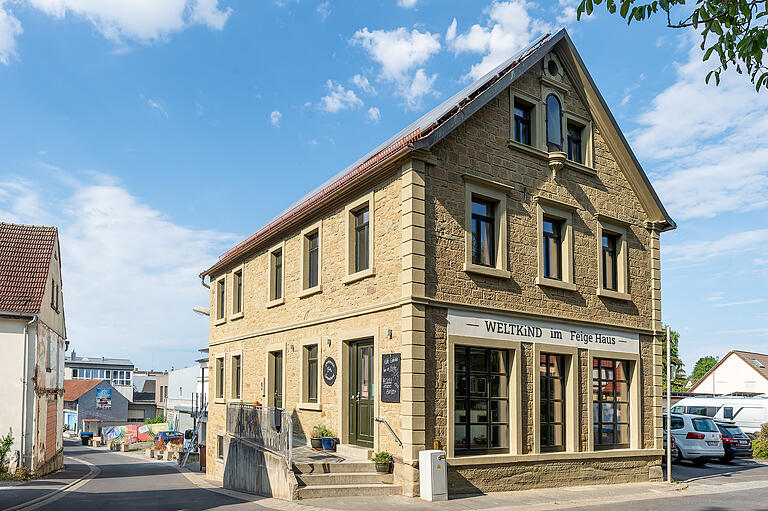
(73, 389)
(25, 255)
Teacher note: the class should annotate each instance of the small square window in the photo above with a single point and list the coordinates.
(575, 151)
(219, 447)
(522, 114)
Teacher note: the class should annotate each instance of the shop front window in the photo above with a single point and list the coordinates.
(610, 403)
(552, 416)
(481, 406)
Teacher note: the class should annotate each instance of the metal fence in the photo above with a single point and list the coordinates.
(269, 428)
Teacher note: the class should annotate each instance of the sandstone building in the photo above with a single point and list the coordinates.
(506, 246)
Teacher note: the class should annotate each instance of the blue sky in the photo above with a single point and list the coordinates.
(158, 134)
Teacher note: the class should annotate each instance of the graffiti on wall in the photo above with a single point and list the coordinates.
(132, 433)
(103, 399)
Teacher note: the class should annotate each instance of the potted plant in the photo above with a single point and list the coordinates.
(328, 440)
(316, 440)
(383, 461)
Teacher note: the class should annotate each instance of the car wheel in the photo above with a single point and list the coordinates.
(677, 455)
(727, 458)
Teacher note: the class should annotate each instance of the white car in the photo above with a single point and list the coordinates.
(695, 437)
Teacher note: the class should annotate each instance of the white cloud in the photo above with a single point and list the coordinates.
(374, 114)
(400, 54)
(736, 243)
(207, 12)
(157, 106)
(508, 29)
(10, 29)
(407, 4)
(742, 302)
(450, 34)
(363, 84)
(323, 10)
(704, 143)
(129, 272)
(339, 98)
(275, 117)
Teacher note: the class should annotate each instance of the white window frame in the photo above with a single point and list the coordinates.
(614, 227)
(271, 301)
(305, 289)
(495, 192)
(305, 404)
(349, 219)
(233, 293)
(564, 213)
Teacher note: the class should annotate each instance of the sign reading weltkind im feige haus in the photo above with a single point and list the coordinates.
(490, 326)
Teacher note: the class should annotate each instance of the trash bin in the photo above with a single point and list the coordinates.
(85, 436)
(202, 456)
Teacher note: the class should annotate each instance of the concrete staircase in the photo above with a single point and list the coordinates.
(344, 479)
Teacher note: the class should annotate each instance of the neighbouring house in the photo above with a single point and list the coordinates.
(95, 402)
(488, 280)
(33, 343)
(119, 371)
(739, 372)
(202, 390)
(183, 397)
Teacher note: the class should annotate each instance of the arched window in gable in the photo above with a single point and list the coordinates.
(554, 124)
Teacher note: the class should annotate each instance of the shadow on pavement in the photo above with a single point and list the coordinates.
(196, 499)
(690, 472)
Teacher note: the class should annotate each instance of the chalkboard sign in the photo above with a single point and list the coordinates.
(390, 378)
(329, 371)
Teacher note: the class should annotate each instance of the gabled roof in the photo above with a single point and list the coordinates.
(433, 126)
(753, 360)
(25, 257)
(73, 389)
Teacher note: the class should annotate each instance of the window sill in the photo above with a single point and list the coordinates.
(487, 271)
(219, 321)
(275, 303)
(492, 459)
(559, 284)
(580, 167)
(235, 400)
(533, 151)
(616, 295)
(311, 291)
(314, 407)
(236, 316)
(220, 460)
(354, 277)
(219, 401)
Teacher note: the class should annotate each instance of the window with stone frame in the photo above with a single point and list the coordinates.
(610, 403)
(237, 291)
(575, 148)
(220, 377)
(237, 370)
(221, 298)
(552, 401)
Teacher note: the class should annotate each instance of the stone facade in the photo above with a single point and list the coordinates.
(419, 273)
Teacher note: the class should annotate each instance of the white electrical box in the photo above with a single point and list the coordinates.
(433, 475)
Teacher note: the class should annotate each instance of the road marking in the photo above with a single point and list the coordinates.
(58, 493)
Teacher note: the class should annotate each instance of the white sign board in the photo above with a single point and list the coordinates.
(489, 326)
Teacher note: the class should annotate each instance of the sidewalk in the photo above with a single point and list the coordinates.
(13, 494)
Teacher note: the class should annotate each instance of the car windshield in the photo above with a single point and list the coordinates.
(730, 431)
(704, 425)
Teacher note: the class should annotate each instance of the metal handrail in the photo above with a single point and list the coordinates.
(384, 421)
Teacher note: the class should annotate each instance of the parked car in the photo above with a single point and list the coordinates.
(695, 437)
(164, 438)
(749, 413)
(735, 442)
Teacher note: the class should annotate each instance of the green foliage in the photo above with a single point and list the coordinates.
(678, 374)
(382, 457)
(735, 32)
(157, 420)
(760, 444)
(703, 365)
(5, 445)
(21, 474)
(322, 432)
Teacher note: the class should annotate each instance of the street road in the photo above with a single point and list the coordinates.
(125, 481)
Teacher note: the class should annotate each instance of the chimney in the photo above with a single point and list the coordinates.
(74, 354)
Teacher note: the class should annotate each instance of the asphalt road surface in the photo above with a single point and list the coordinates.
(129, 482)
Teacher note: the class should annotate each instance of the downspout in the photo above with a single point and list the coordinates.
(202, 281)
(24, 388)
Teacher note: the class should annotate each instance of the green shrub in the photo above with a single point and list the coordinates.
(760, 447)
(382, 457)
(5, 445)
(157, 420)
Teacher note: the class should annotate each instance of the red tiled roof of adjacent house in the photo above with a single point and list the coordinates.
(73, 389)
(25, 255)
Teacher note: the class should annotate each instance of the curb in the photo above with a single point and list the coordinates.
(57, 493)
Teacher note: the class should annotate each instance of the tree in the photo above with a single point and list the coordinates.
(157, 420)
(739, 29)
(677, 365)
(703, 365)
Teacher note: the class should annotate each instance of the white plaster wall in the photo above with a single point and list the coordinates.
(733, 375)
(182, 383)
(11, 367)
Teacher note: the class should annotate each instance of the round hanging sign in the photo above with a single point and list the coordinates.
(329, 371)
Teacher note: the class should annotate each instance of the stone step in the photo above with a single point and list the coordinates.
(337, 478)
(343, 467)
(353, 452)
(349, 490)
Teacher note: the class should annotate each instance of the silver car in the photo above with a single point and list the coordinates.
(695, 437)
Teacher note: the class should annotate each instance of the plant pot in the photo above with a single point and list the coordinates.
(329, 444)
(316, 443)
(383, 466)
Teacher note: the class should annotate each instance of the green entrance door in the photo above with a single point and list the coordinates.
(361, 390)
(277, 381)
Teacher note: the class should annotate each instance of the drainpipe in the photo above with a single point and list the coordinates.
(24, 388)
(202, 281)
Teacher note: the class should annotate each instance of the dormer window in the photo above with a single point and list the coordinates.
(554, 124)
